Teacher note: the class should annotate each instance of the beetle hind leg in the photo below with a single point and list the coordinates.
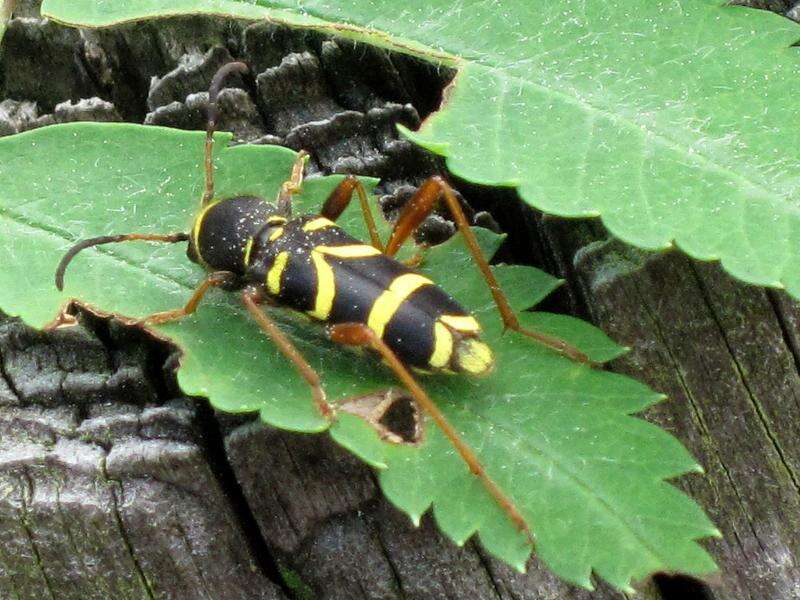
(358, 334)
(419, 207)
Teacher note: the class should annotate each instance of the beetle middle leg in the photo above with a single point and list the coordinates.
(419, 207)
(252, 298)
(340, 198)
(358, 334)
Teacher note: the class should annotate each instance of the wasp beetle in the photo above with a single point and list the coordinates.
(360, 292)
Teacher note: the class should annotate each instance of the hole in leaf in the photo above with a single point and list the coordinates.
(393, 415)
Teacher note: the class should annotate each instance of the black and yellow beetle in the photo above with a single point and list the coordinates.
(359, 291)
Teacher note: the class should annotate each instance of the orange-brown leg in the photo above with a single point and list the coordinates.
(419, 207)
(293, 185)
(169, 238)
(252, 298)
(358, 334)
(214, 280)
(213, 92)
(340, 198)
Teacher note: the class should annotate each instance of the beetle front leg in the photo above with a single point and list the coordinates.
(252, 298)
(217, 279)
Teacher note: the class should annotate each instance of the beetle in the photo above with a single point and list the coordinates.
(359, 291)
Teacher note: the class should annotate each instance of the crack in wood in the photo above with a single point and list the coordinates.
(137, 567)
(743, 378)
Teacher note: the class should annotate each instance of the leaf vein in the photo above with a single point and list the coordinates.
(641, 129)
(56, 234)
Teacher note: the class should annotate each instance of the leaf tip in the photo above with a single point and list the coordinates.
(715, 533)
(376, 464)
(585, 583)
(415, 136)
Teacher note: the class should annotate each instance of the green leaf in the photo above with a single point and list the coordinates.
(667, 119)
(556, 435)
(6, 7)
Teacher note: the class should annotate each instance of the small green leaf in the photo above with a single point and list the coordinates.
(596, 344)
(555, 435)
(667, 119)
(6, 10)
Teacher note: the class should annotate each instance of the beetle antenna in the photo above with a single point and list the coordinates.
(213, 92)
(108, 239)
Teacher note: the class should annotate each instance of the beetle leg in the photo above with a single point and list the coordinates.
(214, 280)
(340, 198)
(358, 334)
(213, 92)
(419, 207)
(293, 185)
(252, 298)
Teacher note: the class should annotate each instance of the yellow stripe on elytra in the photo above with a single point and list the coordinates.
(442, 346)
(276, 272)
(463, 323)
(349, 251)
(318, 223)
(326, 287)
(247, 250)
(390, 300)
(276, 234)
(276, 220)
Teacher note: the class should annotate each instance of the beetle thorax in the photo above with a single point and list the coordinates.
(222, 230)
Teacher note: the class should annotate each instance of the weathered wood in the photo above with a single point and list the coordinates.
(114, 485)
(106, 486)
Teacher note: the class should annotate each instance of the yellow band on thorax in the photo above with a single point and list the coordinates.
(248, 248)
(198, 224)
